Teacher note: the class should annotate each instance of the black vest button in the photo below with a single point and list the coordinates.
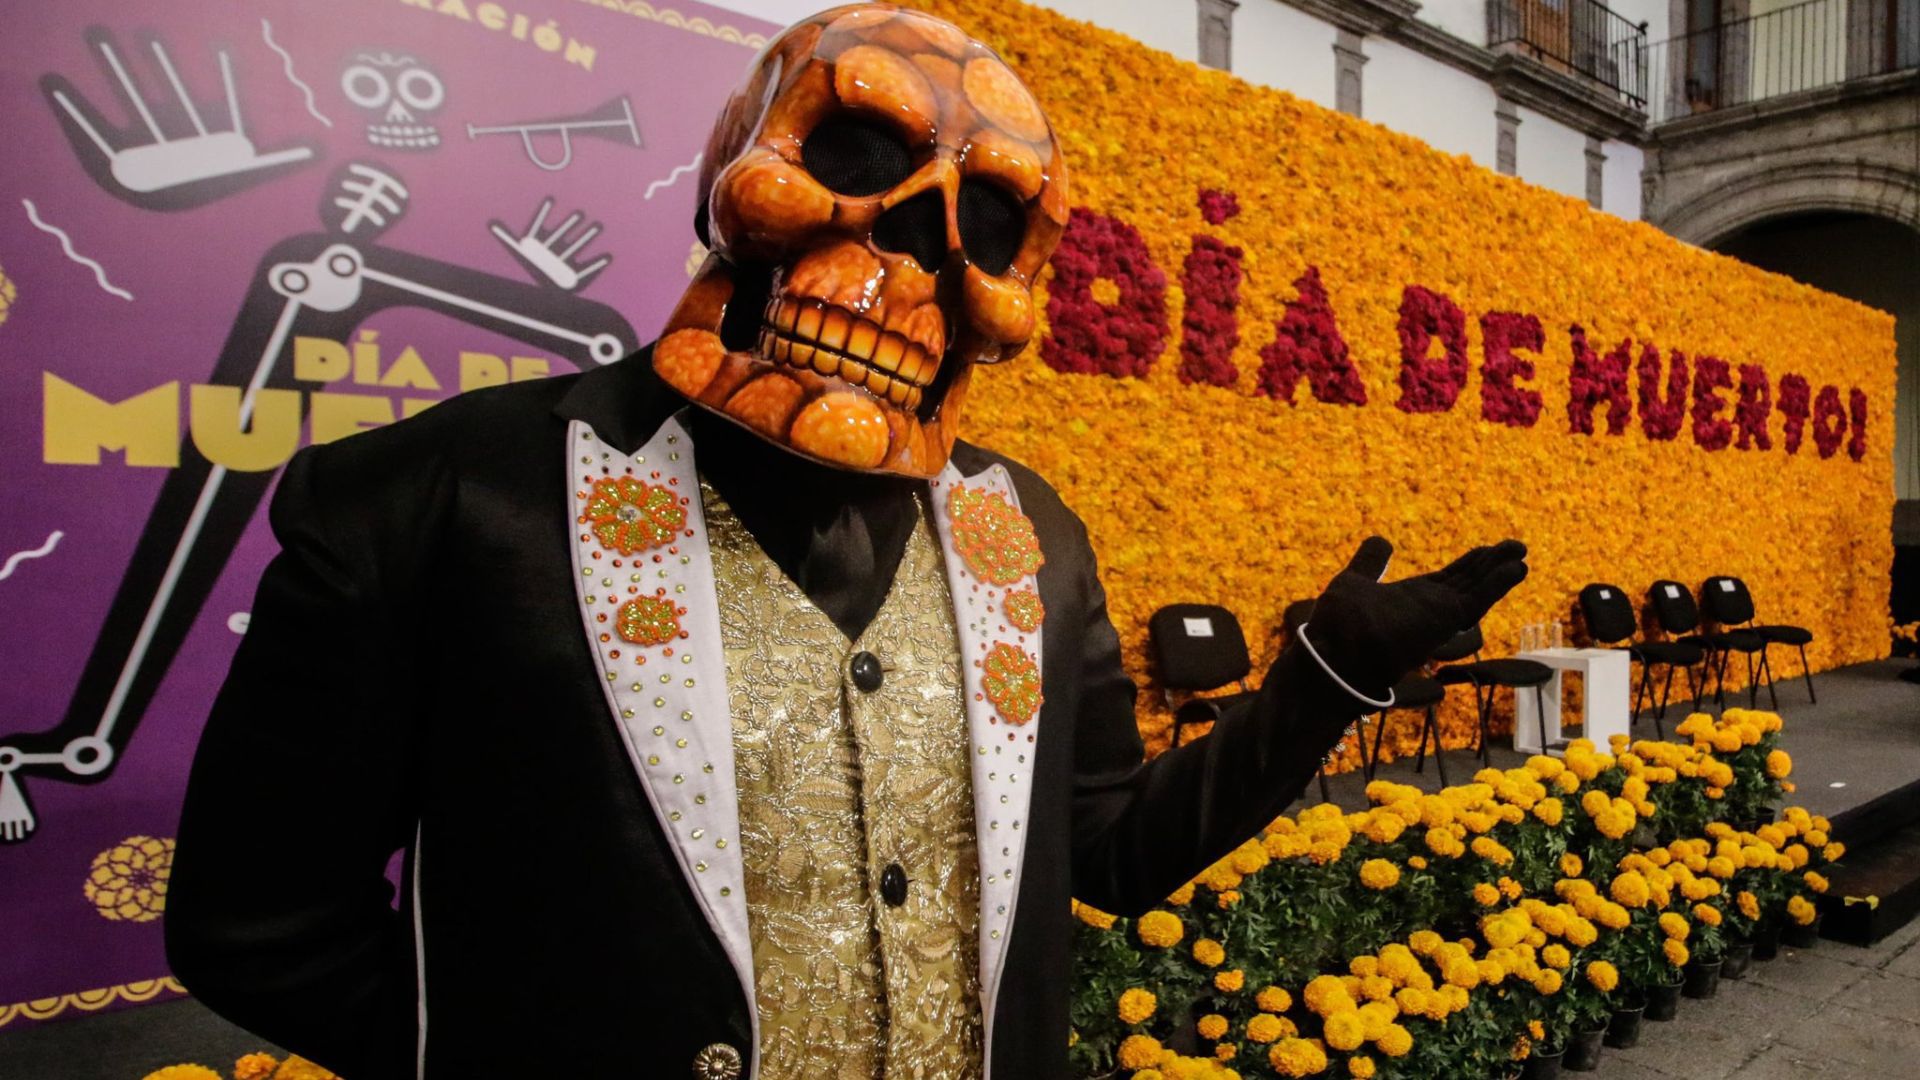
(893, 885)
(866, 672)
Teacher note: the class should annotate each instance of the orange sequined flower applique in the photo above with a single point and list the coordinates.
(995, 540)
(649, 620)
(1012, 683)
(1024, 610)
(628, 514)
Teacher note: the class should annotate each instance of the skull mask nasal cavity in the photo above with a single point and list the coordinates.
(878, 199)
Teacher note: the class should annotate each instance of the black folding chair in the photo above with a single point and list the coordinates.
(1488, 676)
(1728, 597)
(1677, 614)
(1610, 620)
(1198, 647)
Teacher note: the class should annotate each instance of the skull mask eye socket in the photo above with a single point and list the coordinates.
(856, 156)
(992, 225)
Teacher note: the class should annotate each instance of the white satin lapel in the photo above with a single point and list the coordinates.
(1001, 753)
(669, 700)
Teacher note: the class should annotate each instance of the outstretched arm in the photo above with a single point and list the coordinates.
(1143, 830)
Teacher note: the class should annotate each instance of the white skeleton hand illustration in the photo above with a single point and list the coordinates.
(168, 163)
(539, 253)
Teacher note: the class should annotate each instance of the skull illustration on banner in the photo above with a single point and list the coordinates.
(401, 92)
(878, 198)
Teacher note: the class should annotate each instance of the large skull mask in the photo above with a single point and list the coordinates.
(878, 199)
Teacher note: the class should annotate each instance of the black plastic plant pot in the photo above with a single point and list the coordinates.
(1739, 957)
(1703, 979)
(1663, 1002)
(1795, 936)
(1766, 941)
(1583, 1050)
(1623, 1031)
(1544, 1064)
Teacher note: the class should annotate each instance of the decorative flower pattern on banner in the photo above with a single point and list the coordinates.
(628, 515)
(1391, 292)
(996, 541)
(128, 882)
(1012, 683)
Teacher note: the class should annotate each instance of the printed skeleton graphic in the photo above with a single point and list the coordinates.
(879, 195)
(161, 163)
(400, 91)
(314, 284)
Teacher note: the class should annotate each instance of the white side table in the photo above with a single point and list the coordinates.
(1607, 675)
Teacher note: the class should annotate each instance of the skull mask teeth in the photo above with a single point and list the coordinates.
(879, 197)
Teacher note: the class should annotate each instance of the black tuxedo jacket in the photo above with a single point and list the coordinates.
(415, 678)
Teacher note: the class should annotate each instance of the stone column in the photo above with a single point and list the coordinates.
(1596, 171)
(1347, 62)
(1506, 142)
(1216, 33)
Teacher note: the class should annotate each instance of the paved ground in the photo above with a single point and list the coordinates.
(1835, 1010)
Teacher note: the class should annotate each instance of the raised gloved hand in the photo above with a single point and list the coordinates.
(1371, 633)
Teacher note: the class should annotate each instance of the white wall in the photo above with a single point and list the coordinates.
(1168, 25)
(1552, 155)
(1620, 179)
(1444, 106)
(779, 12)
(1277, 45)
(1464, 19)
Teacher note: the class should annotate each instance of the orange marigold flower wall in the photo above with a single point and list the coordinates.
(1239, 443)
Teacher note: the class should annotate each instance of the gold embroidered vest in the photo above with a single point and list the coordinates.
(836, 786)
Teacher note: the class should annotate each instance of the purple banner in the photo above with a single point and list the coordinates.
(228, 230)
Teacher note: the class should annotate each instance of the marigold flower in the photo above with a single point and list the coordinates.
(1603, 976)
(1706, 914)
(1360, 1067)
(1208, 952)
(1297, 1057)
(1779, 764)
(1136, 1005)
(1092, 916)
(1485, 894)
(1345, 1031)
(1326, 995)
(1674, 926)
(1273, 999)
(1139, 1051)
(255, 1067)
(1676, 952)
(1379, 874)
(1630, 890)
(1547, 982)
(1160, 929)
(1229, 981)
(1815, 881)
(1212, 1026)
(1800, 910)
(1266, 1027)
(1396, 1041)
(183, 1072)
(1556, 956)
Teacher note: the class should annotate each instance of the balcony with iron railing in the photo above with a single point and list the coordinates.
(1580, 38)
(1793, 50)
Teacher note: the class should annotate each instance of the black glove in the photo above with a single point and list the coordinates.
(1373, 633)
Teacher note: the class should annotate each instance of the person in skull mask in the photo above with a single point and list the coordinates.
(767, 735)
